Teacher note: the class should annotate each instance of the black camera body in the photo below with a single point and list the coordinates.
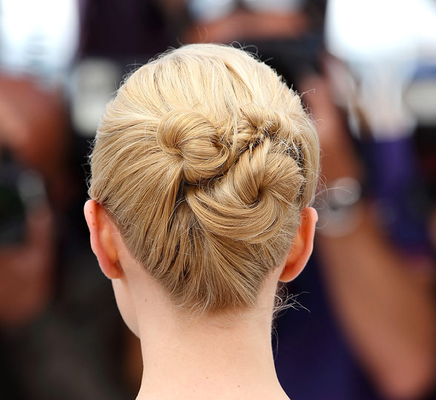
(20, 190)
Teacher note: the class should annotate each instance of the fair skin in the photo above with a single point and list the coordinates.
(225, 356)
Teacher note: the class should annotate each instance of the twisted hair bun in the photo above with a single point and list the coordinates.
(193, 140)
(205, 160)
(265, 122)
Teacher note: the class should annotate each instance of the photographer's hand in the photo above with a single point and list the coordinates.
(27, 271)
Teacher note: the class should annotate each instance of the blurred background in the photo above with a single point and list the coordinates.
(363, 321)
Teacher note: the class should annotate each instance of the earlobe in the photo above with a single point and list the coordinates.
(302, 246)
(102, 240)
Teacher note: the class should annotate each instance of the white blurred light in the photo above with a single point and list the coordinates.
(93, 84)
(362, 30)
(38, 37)
(383, 43)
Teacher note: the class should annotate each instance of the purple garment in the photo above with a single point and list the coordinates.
(312, 359)
(397, 187)
(122, 29)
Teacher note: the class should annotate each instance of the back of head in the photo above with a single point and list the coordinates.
(205, 160)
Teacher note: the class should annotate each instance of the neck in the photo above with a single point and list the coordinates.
(209, 359)
(226, 356)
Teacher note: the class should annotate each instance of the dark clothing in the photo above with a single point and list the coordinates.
(312, 359)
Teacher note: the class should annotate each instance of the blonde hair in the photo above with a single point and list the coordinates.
(205, 160)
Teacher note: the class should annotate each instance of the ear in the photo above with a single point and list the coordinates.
(103, 240)
(301, 247)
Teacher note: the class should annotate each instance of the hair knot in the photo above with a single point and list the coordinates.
(264, 123)
(190, 137)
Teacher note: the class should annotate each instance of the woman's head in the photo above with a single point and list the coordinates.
(204, 161)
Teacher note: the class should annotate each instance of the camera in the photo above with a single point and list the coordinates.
(20, 190)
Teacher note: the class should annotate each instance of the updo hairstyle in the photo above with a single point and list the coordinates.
(204, 160)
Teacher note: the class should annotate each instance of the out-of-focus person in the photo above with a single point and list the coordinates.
(371, 329)
(392, 329)
(60, 334)
(33, 143)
